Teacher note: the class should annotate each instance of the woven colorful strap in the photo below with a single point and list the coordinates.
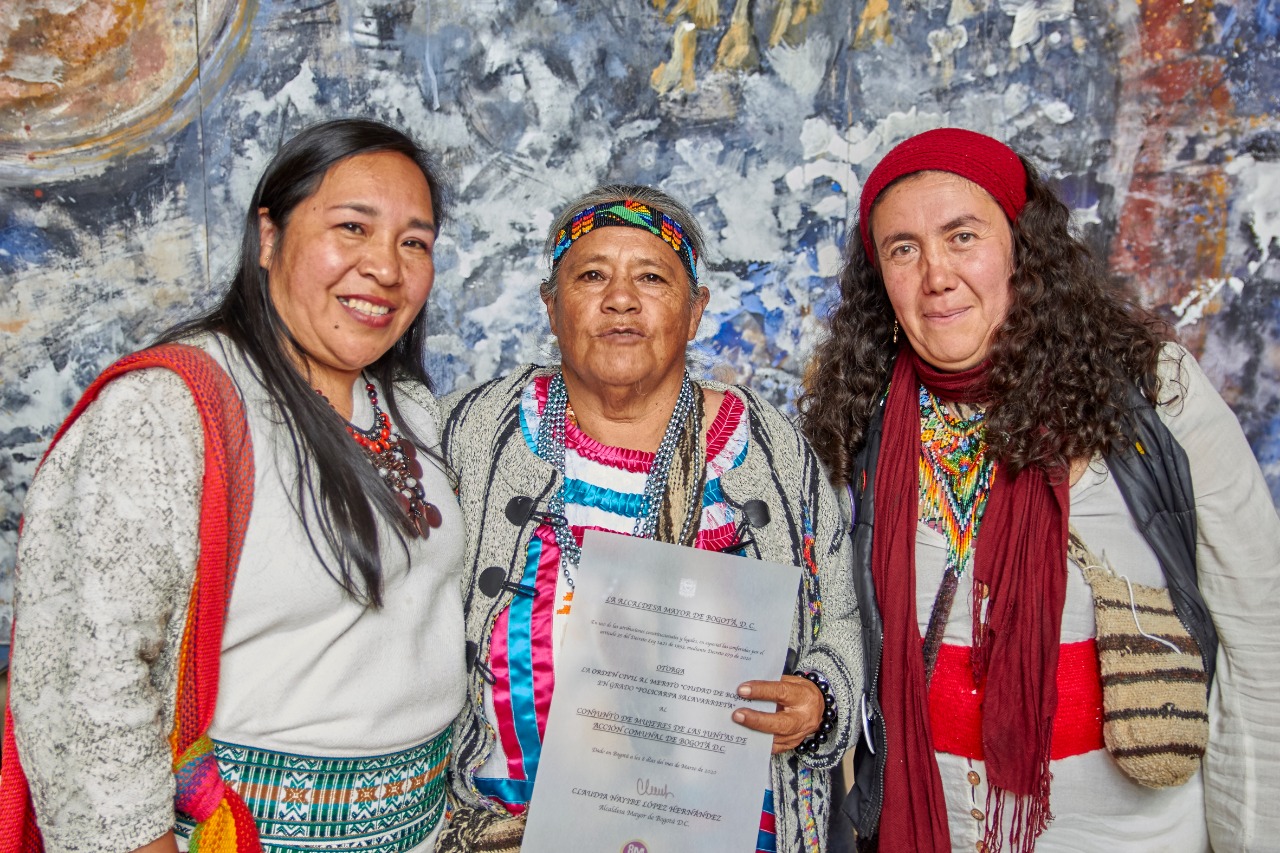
(225, 825)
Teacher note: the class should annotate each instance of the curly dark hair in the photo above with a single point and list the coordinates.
(1063, 362)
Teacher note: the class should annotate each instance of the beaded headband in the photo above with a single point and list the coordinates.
(633, 214)
(987, 162)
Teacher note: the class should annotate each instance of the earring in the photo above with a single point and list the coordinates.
(895, 331)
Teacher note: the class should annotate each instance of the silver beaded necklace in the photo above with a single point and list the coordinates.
(550, 447)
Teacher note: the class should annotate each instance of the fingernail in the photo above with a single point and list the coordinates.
(739, 717)
(744, 690)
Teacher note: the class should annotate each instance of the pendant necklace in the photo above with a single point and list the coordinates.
(396, 461)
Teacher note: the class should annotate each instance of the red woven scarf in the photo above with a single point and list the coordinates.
(1019, 563)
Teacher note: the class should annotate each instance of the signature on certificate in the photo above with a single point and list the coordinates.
(645, 789)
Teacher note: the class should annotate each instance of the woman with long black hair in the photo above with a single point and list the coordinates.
(238, 622)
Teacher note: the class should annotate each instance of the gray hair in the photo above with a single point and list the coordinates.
(607, 193)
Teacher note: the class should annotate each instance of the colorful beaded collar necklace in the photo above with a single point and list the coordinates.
(955, 480)
(396, 461)
(955, 477)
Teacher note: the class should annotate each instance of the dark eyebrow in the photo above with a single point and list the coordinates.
(961, 221)
(367, 210)
(893, 238)
(958, 222)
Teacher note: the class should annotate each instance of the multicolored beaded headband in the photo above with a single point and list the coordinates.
(633, 214)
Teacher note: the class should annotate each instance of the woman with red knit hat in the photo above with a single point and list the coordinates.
(1062, 541)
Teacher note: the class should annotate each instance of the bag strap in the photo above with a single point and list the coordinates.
(1078, 552)
(223, 820)
(1154, 477)
(1091, 565)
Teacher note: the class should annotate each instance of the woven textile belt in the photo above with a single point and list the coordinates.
(955, 703)
(384, 803)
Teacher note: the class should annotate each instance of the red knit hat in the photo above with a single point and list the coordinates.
(987, 162)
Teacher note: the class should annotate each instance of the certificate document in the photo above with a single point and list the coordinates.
(641, 753)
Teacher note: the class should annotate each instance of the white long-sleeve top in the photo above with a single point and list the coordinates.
(105, 566)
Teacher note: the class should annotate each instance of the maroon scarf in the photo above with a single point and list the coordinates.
(1019, 563)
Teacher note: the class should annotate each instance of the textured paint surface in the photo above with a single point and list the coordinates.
(131, 136)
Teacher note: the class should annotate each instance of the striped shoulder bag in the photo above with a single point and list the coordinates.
(1154, 691)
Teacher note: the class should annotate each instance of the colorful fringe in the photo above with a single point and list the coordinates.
(229, 828)
(814, 591)
(225, 825)
(811, 838)
(223, 821)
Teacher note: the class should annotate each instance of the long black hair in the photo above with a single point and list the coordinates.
(337, 489)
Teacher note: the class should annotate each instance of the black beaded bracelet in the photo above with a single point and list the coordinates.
(828, 724)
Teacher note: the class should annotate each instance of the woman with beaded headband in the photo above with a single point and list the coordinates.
(1062, 540)
(279, 445)
(619, 437)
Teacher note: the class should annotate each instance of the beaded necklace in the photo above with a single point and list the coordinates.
(550, 446)
(396, 461)
(955, 476)
(955, 480)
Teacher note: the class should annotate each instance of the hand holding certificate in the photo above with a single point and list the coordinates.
(641, 752)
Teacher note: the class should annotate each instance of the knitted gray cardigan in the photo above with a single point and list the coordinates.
(483, 443)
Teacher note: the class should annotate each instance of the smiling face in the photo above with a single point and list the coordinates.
(353, 266)
(622, 311)
(945, 252)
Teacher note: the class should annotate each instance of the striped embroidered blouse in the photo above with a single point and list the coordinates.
(603, 491)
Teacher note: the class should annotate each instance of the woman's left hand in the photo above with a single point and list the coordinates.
(800, 707)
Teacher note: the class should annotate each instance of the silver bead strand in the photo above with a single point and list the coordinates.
(550, 443)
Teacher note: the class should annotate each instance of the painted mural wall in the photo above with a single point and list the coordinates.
(131, 135)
